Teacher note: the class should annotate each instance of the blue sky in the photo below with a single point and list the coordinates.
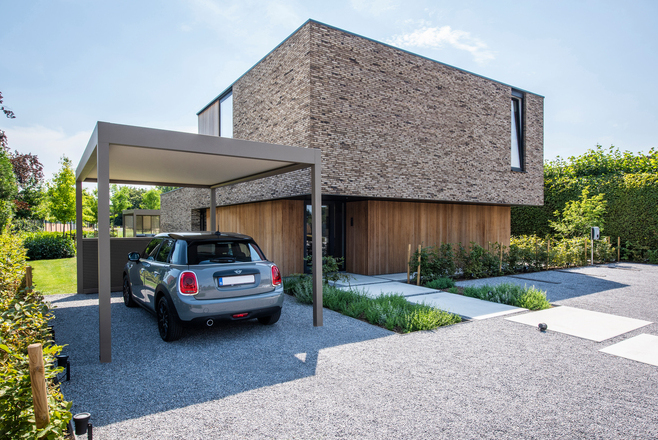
(65, 64)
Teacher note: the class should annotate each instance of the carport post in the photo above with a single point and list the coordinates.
(78, 234)
(104, 281)
(316, 230)
(213, 210)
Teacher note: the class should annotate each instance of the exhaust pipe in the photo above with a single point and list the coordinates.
(210, 322)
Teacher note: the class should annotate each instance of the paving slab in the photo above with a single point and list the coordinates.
(587, 324)
(642, 348)
(358, 280)
(390, 287)
(464, 306)
(393, 276)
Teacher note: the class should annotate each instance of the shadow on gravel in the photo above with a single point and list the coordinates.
(558, 284)
(147, 375)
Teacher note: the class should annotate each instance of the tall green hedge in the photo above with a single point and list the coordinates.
(630, 185)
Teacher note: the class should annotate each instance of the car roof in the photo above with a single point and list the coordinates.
(204, 235)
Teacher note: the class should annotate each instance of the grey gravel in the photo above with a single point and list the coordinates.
(490, 379)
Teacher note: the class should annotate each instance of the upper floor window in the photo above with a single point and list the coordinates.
(226, 115)
(517, 131)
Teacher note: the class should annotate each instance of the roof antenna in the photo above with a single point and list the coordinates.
(217, 233)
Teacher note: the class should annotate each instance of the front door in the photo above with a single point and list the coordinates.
(333, 232)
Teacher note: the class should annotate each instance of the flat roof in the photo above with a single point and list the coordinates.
(310, 20)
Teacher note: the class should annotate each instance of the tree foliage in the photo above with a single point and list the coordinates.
(151, 199)
(579, 215)
(8, 189)
(9, 114)
(61, 193)
(119, 202)
(90, 206)
(29, 178)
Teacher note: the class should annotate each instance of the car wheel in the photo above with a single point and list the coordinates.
(269, 320)
(128, 299)
(168, 325)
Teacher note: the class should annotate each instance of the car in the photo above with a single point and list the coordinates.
(202, 277)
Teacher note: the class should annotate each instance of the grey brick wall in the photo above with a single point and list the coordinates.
(390, 124)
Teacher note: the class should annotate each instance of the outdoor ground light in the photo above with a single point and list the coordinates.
(542, 327)
(82, 425)
(63, 361)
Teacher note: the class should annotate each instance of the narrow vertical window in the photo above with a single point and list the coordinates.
(517, 131)
(226, 115)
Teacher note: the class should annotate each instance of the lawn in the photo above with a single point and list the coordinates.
(54, 276)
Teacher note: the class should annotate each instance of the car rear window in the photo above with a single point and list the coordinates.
(223, 252)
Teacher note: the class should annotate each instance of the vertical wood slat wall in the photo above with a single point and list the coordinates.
(208, 121)
(277, 226)
(382, 230)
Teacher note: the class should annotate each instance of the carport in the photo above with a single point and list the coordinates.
(144, 156)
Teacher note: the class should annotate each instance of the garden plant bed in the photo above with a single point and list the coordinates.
(392, 312)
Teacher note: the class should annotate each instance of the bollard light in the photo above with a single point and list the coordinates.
(542, 327)
(81, 421)
(63, 361)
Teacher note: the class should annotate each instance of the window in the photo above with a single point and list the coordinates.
(164, 250)
(150, 249)
(223, 252)
(226, 115)
(517, 131)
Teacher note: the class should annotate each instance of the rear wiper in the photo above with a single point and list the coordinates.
(223, 260)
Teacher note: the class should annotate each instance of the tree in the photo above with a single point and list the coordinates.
(120, 201)
(579, 215)
(8, 188)
(10, 115)
(90, 206)
(61, 193)
(29, 178)
(164, 189)
(151, 199)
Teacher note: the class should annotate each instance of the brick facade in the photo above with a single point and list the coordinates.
(390, 124)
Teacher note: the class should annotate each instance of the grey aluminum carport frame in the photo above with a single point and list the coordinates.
(124, 145)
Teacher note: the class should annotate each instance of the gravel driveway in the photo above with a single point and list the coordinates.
(482, 379)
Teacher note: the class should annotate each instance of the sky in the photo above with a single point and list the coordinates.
(66, 64)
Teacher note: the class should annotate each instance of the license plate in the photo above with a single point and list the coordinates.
(234, 281)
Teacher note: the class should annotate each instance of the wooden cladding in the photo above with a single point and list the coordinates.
(277, 226)
(379, 232)
(209, 120)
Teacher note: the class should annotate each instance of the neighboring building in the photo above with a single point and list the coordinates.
(413, 151)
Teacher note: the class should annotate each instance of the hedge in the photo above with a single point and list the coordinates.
(48, 246)
(24, 320)
(630, 185)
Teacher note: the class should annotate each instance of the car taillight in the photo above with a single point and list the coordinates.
(187, 284)
(276, 276)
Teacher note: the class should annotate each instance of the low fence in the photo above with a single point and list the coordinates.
(119, 250)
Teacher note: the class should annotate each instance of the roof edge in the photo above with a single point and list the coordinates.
(310, 20)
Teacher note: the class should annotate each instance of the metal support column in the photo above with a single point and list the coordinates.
(316, 230)
(104, 281)
(78, 235)
(213, 210)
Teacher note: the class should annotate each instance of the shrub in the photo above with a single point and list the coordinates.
(330, 268)
(435, 262)
(441, 283)
(48, 246)
(510, 294)
(393, 312)
(23, 321)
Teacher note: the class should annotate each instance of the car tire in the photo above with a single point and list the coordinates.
(128, 298)
(169, 326)
(269, 320)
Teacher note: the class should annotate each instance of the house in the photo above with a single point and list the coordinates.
(413, 151)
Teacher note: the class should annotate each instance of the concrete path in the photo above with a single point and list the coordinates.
(466, 307)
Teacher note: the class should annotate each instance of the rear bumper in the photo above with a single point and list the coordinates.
(229, 316)
(192, 310)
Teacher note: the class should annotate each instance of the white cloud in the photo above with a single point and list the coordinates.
(375, 7)
(48, 144)
(437, 37)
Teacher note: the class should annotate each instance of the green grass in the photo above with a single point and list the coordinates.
(392, 312)
(511, 294)
(54, 276)
(441, 283)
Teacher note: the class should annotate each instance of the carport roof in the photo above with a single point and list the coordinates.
(148, 156)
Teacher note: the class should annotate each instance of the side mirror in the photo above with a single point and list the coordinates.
(133, 256)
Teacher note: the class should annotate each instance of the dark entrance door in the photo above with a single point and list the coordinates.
(333, 231)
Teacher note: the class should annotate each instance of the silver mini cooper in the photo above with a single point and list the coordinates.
(202, 277)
